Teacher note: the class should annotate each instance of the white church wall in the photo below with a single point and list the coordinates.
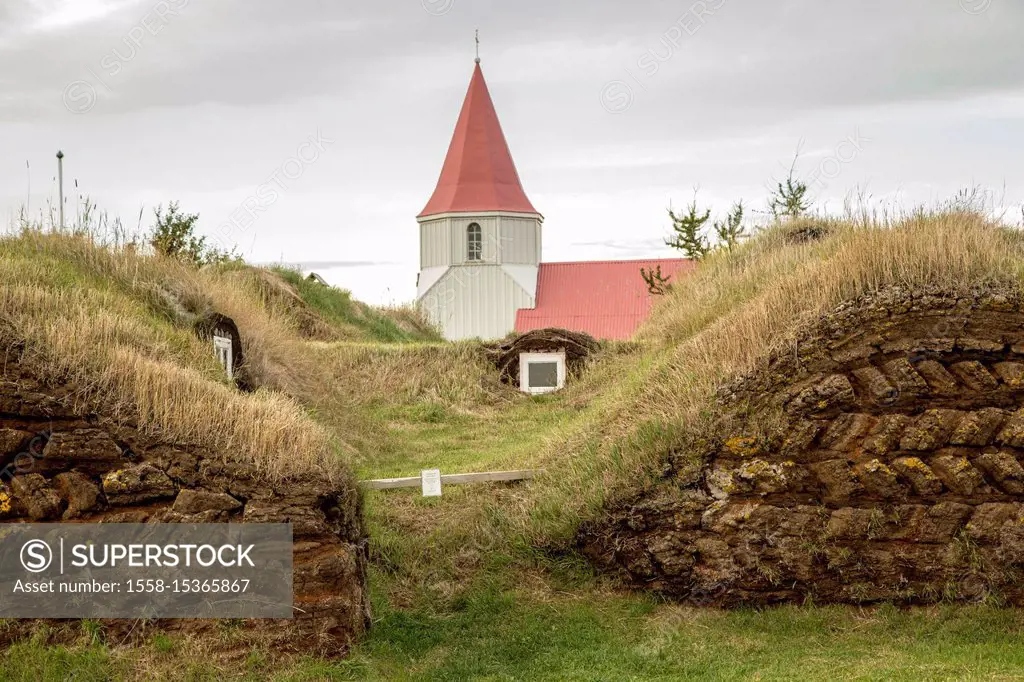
(524, 275)
(520, 240)
(435, 243)
(469, 299)
(428, 278)
(475, 301)
(489, 231)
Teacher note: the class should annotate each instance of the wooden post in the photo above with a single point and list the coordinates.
(449, 479)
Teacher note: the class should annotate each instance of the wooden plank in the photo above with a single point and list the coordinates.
(388, 483)
(485, 476)
(450, 479)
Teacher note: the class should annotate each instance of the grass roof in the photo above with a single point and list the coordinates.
(712, 326)
(116, 325)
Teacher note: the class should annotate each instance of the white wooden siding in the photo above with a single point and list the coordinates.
(434, 243)
(479, 298)
(520, 240)
(475, 301)
(506, 239)
(489, 231)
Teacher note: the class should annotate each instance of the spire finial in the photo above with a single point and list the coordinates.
(477, 60)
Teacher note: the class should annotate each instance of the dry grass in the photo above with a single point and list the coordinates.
(394, 403)
(97, 317)
(453, 374)
(438, 405)
(738, 307)
(107, 321)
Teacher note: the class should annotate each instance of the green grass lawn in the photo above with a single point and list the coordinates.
(505, 635)
(497, 633)
(431, 435)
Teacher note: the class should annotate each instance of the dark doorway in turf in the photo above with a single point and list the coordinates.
(222, 334)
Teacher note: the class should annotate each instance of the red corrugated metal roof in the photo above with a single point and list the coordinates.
(478, 172)
(606, 299)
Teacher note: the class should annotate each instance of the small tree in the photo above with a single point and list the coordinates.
(731, 230)
(174, 235)
(656, 282)
(687, 231)
(789, 199)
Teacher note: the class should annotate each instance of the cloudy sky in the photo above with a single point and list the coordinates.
(329, 120)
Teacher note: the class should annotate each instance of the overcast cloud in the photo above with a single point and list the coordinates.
(334, 117)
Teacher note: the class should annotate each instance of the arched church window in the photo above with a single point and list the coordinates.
(474, 242)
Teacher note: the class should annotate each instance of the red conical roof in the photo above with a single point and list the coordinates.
(478, 172)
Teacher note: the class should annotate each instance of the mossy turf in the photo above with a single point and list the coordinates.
(338, 307)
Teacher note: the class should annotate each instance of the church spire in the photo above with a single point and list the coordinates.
(478, 172)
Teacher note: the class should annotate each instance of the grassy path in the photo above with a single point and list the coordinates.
(509, 636)
(498, 634)
(452, 603)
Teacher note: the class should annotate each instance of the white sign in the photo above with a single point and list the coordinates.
(431, 482)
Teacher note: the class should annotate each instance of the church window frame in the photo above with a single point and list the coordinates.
(474, 242)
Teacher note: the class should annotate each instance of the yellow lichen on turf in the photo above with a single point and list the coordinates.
(917, 463)
(875, 466)
(742, 446)
(112, 480)
(961, 465)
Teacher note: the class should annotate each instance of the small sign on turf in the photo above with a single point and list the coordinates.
(431, 481)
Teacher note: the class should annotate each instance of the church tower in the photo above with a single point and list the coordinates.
(480, 237)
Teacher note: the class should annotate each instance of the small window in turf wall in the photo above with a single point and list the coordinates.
(541, 372)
